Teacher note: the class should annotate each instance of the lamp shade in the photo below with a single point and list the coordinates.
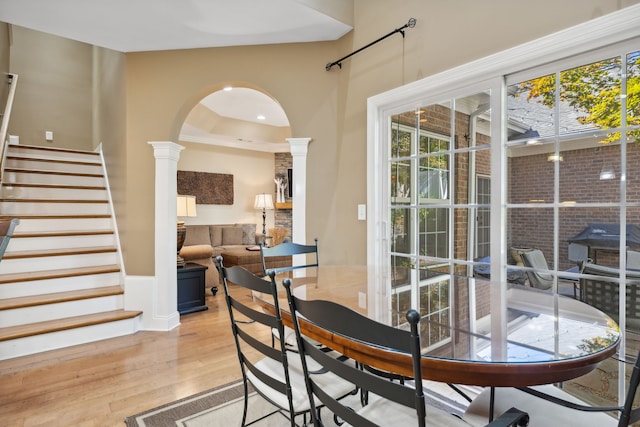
(186, 205)
(263, 201)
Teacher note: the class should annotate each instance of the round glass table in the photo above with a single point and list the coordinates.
(543, 337)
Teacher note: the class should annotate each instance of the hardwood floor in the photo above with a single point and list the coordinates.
(101, 383)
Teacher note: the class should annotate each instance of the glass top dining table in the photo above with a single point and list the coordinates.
(546, 338)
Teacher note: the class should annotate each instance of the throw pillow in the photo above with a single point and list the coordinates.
(248, 233)
(231, 236)
(516, 254)
(197, 235)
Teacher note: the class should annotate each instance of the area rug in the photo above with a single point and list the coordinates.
(222, 407)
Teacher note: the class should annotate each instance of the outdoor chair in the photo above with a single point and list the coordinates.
(538, 278)
(274, 373)
(633, 260)
(550, 406)
(600, 289)
(390, 403)
(289, 249)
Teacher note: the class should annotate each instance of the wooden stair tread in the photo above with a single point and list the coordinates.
(57, 274)
(69, 233)
(21, 331)
(54, 149)
(23, 216)
(54, 186)
(23, 200)
(42, 299)
(59, 252)
(44, 160)
(53, 172)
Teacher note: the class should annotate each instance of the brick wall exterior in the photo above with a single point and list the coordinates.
(532, 178)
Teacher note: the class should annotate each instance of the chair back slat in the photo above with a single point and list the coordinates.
(289, 249)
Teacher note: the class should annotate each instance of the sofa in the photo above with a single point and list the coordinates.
(203, 243)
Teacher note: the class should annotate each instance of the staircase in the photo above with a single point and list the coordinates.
(61, 281)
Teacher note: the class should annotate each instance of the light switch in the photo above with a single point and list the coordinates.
(362, 300)
(362, 212)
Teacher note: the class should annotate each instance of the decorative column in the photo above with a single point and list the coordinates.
(165, 308)
(299, 148)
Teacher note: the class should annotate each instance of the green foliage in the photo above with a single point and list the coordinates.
(594, 91)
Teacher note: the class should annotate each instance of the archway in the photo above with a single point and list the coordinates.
(242, 131)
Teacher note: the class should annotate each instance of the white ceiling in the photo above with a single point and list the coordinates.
(145, 25)
(246, 104)
(151, 25)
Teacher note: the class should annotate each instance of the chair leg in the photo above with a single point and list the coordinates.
(246, 402)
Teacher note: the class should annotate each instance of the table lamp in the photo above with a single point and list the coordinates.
(264, 202)
(186, 206)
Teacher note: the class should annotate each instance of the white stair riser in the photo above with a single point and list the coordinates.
(38, 208)
(59, 242)
(51, 179)
(65, 224)
(42, 313)
(65, 284)
(52, 193)
(52, 154)
(11, 266)
(87, 334)
(50, 166)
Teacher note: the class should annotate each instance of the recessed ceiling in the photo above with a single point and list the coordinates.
(239, 117)
(151, 25)
(146, 25)
(246, 104)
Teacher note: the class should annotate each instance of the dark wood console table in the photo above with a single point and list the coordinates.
(191, 288)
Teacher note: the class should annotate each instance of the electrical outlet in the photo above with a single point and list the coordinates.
(48, 135)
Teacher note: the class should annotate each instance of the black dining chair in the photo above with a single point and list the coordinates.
(274, 373)
(549, 405)
(390, 403)
(289, 249)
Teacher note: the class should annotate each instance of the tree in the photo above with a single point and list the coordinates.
(595, 90)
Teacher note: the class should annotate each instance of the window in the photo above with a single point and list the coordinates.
(495, 159)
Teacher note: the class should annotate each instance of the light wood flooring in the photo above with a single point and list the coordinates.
(99, 384)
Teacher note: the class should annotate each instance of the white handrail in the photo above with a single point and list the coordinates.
(12, 80)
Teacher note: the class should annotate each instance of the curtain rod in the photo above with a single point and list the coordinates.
(410, 24)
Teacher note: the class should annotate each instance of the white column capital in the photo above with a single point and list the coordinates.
(299, 146)
(166, 150)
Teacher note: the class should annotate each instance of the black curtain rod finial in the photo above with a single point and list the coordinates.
(410, 24)
(331, 64)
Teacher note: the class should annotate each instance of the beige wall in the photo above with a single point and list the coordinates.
(54, 91)
(162, 87)
(109, 129)
(330, 107)
(252, 171)
(4, 62)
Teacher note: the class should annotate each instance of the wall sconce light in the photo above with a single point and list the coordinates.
(607, 173)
